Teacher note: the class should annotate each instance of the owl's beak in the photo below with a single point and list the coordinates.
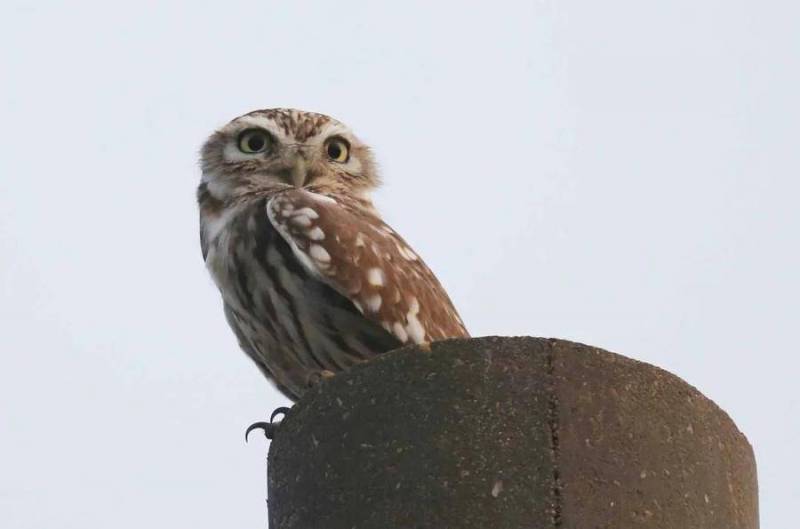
(299, 170)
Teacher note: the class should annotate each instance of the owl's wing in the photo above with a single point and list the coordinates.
(364, 260)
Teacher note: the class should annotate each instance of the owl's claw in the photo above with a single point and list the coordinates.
(269, 427)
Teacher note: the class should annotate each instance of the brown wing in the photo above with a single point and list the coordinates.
(351, 249)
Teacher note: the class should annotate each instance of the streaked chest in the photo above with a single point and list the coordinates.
(252, 265)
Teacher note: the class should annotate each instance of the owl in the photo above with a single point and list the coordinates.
(312, 280)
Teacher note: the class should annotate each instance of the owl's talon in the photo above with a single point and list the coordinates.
(283, 410)
(270, 427)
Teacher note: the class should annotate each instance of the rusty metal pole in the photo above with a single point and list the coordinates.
(509, 433)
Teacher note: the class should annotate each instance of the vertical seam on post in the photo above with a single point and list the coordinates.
(553, 425)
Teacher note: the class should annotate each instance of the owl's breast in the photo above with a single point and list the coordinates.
(242, 248)
(286, 318)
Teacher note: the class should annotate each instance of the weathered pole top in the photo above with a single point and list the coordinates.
(509, 433)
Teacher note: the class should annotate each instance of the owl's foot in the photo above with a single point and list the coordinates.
(269, 427)
(315, 378)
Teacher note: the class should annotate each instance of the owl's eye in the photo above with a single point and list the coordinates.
(338, 150)
(253, 141)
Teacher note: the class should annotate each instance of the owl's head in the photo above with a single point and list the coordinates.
(267, 150)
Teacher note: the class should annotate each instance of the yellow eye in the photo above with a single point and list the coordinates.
(253, 141)
(338, 150)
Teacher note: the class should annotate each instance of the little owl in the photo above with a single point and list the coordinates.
(312, 280)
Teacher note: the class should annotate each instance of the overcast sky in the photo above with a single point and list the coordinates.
(621, 173)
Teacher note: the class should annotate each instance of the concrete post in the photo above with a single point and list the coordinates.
(509, 433)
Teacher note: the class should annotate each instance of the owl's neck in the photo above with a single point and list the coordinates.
(213, 206)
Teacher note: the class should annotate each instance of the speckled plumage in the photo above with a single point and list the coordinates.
(312, 280)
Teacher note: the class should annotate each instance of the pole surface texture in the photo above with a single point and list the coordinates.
(509, 433)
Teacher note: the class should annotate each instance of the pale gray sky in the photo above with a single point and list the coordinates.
(622, 173)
